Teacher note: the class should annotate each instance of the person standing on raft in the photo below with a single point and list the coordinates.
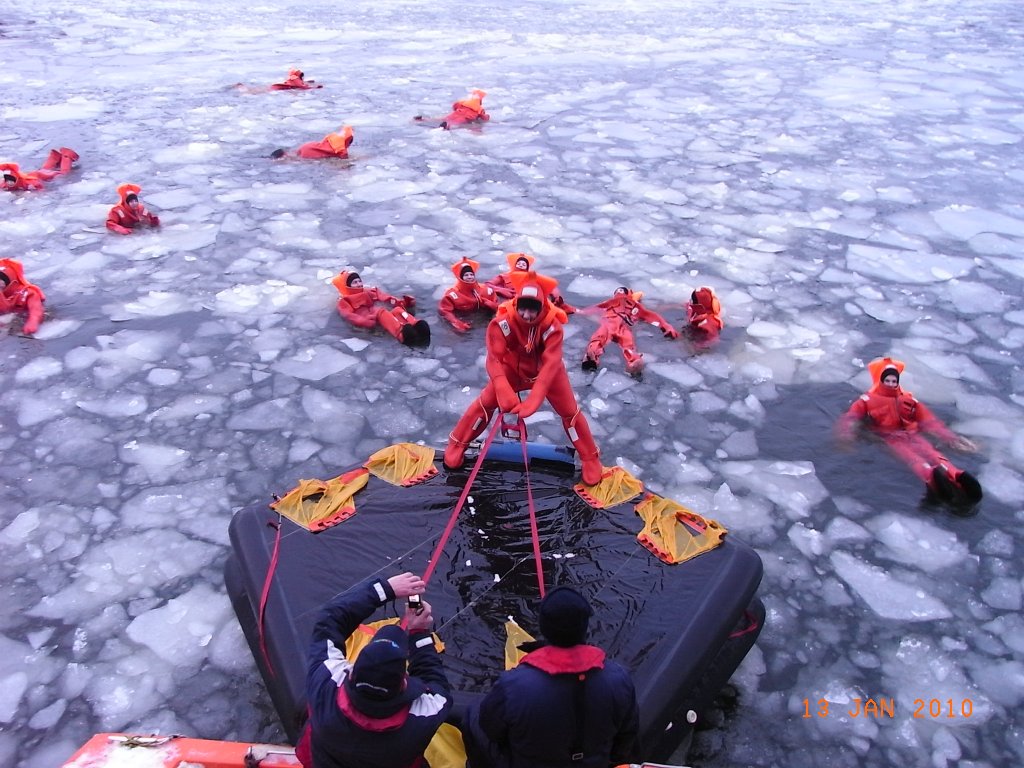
(901, 421)
(358, 305)
(524, 353)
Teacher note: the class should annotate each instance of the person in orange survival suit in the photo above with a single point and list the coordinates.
(523, 262)
(296, 81)
(16, 292)
(464, 112)
(130, 212)
(331, 145)
(358, 305)
(57, 163)
(467, 295)
(704, 316)
(900, 419)
(621, 312)
(524, 353)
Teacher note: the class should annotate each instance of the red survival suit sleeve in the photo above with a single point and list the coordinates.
(34, 304)
(446, 308)
(659, 322)
(114, 219)
(846, 427)
(497, 351)
(932, 424)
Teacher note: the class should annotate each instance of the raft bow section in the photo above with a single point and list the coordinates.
(681, 629)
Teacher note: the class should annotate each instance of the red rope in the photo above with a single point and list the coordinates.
(271, 568)
(436, 557)
(533, 511)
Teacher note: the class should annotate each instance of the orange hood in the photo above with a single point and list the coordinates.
(881, 364)
(340, 141)
(462, 264)
(128, 189)
(706, 298)
(512, 258)
(475, 100)
(13, 270)
(341, 283)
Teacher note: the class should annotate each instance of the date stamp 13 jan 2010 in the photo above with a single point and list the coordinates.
(886, 708)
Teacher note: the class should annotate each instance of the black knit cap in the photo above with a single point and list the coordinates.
(890, 371)
(564, 616)
(378, 685)
(465, 268)
(351, 276)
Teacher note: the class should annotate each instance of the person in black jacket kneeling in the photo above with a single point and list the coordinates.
(375, 712)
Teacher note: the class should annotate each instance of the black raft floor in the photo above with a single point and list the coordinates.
(678, 628)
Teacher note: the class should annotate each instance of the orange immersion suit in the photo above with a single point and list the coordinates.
(703, 314)
(468, 110)
(465, 296)
(296, 82)
(901, 421)
(331, 145)
(358, 306)
(621, 312)
(527, 356)
(505, 289)
(124, 217)
(16, 292)
(58, 162)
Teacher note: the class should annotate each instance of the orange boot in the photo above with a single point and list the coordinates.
(473, 422)
(578, 429)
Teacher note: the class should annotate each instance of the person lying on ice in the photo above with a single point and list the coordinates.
(331, 145)
(296, 82)
(383, 709)
(902, 421)
(57, 164)
(524, 353)
(523, 262)
(467, 111)
(130, 212)
(621, 312)
(533, 716)
(704, 316)
(17, 293)
(467, 295)
(358, 305)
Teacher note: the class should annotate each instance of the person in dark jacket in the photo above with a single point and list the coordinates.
(373, 713)
(565, 706)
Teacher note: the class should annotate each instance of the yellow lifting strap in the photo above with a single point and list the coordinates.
(514, 637)
(317, 505)
(616, 486)
(403, 464)
(446, 749)
(674, 533)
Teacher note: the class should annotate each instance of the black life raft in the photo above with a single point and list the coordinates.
(681, 629)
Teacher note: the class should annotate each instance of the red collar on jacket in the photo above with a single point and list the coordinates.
(555, 660)
(366, 722)
(883, 391)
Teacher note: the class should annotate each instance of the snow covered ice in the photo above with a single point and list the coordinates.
(847, 177)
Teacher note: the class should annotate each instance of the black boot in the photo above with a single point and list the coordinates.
(941, 488)
(968, 490)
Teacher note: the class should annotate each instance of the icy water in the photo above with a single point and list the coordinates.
(846, 175)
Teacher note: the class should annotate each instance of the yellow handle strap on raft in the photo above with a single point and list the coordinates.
(674, 533)
(317, 505)
(616, 487)
(403, 464)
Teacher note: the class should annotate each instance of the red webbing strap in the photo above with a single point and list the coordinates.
(534, 533)
(271, 568)
(436, 557)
